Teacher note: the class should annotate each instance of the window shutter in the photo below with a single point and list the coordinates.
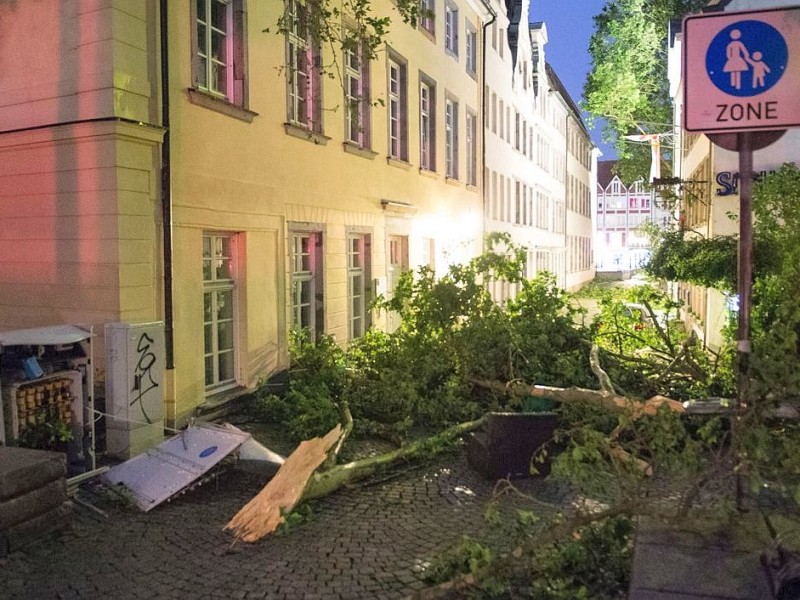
(238, 95)
(366, 103)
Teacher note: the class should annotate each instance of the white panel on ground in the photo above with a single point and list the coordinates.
(176, 463)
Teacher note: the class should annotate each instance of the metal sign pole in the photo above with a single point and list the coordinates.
(745, 284)
(741, 91)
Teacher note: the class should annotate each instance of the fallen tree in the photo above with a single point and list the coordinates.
(311, 471)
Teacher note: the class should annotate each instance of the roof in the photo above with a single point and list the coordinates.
(605, 172)
(559, 87)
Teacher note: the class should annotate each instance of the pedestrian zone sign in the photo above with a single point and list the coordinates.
(742, 71)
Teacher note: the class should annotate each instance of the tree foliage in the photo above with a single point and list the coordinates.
(712, 262)
(626, 461)
(628, 84)
(708, 262)
(341, 26)
(776, 292)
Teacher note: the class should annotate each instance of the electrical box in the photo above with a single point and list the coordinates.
(134, 387)
(47, 392)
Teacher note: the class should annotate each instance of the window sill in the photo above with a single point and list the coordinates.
(428, 173)
(453, 181)
(398, 162)
(472, 187)
(472, 74)
(352, 148)
(304, 133)
(218, 400)
(206, 100)
(431, 36)
(451, 54)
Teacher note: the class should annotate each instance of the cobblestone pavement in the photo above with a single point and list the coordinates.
(372, 541)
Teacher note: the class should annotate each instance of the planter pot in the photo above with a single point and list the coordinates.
(509, 440)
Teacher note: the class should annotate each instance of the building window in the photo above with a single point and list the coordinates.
(219, 66)
(471, 49)
(427, 125)
(303, 76)
(398, 110)
(501, 128)
(305, 260)
(542, 210)
(427, 16)
(358, 274)
(397, 265)
(472, 148)
(494, 113)
(219, 290)
(429, 253)
(451, 138)
(451, 29)
(357, 100)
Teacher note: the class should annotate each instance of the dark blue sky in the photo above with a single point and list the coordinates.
(569, 27)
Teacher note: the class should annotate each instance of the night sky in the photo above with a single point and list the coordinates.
(569, 27)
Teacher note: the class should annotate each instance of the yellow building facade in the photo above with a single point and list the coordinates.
(293, 198)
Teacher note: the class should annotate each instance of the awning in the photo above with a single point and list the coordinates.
(44, 336)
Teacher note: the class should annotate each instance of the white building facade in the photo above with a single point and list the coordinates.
(622, 210)
(538, 175)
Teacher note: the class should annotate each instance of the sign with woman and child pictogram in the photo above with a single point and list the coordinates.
(742, 70)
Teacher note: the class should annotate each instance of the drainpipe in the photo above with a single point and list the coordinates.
(566, 196)
(166, 191)
(484, 111)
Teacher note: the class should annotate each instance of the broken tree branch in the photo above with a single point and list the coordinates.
(611, 402)
(347, 420)
(264, 512)
(602, 377)
(323, 483)
(300, 478)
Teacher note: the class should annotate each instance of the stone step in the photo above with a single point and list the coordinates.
(24, 533)
(33, 503)
(23, 470)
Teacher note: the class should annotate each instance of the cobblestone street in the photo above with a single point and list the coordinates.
(372, 541)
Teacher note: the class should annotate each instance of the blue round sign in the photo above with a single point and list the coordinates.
(208, 451)
(746, 58)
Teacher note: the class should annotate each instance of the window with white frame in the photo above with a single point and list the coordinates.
(427, 124)
(357, 100)
(501, 129)
(427, 16)
(358, 277)
(472, 148)
(398, 109)
(305, 261)
(559, 217)
(304, 81)
(451, 138)
(471, 50)
(219, 321)
(219, 67)
(542, 210)
(494, 112)
(429, 253)
(451, 28)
